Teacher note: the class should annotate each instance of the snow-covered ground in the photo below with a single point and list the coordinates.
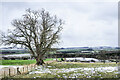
(76, 72)
(63, 70)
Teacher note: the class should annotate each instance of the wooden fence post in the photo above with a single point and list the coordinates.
(23, 69)
(18, 71)
(2, 73)
(6, 72)
(9, 71)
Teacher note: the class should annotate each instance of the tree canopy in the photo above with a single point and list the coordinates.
(37, 30)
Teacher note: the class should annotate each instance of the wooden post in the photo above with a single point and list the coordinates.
(27, 68)
(23, 69)
(18, 71)
(9, 71)
(15, 71)
(1, 73)
(6, 72)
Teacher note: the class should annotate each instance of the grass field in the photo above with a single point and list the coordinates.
(21, 62)
(79, 64)
(67, 69)
(73, 70)
(17, 62)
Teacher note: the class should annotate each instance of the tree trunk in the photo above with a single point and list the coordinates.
(39, 61)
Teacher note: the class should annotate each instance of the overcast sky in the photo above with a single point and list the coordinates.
(86, 23)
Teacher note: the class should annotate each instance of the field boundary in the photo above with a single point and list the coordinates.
(10, 71)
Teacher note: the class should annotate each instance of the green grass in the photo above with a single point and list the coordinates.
(61, 64)
(78, 64)
(17, 62)
(21, 62)
(49, 59)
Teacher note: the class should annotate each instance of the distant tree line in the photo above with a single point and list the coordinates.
(102, 55)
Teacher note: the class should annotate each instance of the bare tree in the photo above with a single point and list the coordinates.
(37, 30)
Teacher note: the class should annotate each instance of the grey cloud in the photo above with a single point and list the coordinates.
(105, 11)
(87, 24)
